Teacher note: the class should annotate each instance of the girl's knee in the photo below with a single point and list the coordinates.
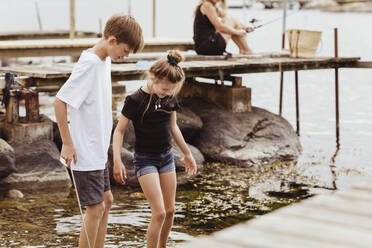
(159, 215)
(170, 212)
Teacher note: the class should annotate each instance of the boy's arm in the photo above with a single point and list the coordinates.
(68, 151)
(117, 143)
(190, 164)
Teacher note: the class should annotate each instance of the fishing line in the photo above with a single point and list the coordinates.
(254, 20)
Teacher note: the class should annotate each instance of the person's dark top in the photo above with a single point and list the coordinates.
(152, 129)
(207, 40)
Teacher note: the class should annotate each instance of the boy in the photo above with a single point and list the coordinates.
(87, 137)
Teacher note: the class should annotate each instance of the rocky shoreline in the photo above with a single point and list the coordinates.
(214, 134)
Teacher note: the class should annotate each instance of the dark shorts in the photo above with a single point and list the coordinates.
(146, 163)
(215, 44)
(90, 186)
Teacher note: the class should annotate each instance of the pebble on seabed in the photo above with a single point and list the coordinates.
(15, 194)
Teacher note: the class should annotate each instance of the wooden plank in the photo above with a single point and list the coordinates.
(314, 230)
(57, 34)
(302, 210)
(248, 236)
(67, 47)
(363, 64)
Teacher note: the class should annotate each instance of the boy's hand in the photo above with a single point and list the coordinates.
(120, 174)
(190, 165)
(68, 154)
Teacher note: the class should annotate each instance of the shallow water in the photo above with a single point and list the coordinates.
(222, 195)
(207, 203)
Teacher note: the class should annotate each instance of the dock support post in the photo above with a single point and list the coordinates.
(297, 105)
(31, 105)
(12, 109)
(336, 88)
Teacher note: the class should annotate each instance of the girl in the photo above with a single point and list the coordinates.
(213, 29)
(152, 109)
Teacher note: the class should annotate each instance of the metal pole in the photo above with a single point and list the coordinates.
(38, 16)
(283, 46)
(153, 18)
(297, 105)
(129, 7)
(72, 19)
(284, 22)
(336, 88)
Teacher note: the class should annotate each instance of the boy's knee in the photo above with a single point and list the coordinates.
(109, 199)
(96, 210)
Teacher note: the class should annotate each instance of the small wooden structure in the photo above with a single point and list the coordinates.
(74, 47)
(340, 220)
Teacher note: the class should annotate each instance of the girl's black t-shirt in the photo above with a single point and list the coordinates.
(152, 126)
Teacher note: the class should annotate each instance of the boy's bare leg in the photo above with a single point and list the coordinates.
(102, 229)
(168, 183)
(92, 219)
(150, 185)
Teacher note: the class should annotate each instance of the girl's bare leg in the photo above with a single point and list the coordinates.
(240, 41)
(168, 183)
(150, 185)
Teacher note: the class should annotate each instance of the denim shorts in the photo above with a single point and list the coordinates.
(146, 163)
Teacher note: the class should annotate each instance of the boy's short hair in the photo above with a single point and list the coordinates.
(126, 30)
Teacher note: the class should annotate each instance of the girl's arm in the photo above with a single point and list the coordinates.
(68, 152)
(119, 169)
(190, 164)
(210, 11)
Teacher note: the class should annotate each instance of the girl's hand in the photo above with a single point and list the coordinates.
(249, 29)
(120, 174)
(240, 32)
(68, 154)
(190, 165)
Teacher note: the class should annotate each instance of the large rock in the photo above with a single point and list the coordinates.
(189, 123)
(248, 138)
(7, 159)
(38, 167)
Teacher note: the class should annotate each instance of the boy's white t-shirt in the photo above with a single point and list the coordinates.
(88, 93)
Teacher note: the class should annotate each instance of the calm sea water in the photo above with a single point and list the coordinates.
(216, 201)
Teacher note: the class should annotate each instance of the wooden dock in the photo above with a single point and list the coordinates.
(74, 47)
(340, 220)
(58, 73)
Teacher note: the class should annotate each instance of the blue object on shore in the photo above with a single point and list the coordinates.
(145, 62)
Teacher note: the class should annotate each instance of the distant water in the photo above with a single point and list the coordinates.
(321, 159)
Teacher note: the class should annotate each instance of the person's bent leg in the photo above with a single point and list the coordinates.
(168, 182)
(100, 240)
(92, 220)
(150, 185)
(240, 41)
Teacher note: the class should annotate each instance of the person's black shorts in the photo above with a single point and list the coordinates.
(215, 44)
(91, 185)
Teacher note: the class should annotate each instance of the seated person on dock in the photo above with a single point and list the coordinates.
(213, 28)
